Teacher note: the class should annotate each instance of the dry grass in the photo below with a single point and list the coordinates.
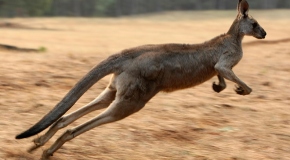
(190, 124)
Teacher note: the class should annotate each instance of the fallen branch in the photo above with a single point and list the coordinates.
(14, 48)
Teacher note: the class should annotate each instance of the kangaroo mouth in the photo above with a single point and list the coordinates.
(260, 37)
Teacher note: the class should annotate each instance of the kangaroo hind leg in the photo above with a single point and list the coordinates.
(102, 101)
(118, 110)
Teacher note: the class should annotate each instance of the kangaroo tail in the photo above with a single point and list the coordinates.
(104, 68)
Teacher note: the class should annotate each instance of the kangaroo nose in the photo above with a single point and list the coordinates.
(264, 33)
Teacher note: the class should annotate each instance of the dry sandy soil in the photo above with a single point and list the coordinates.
(193, 124)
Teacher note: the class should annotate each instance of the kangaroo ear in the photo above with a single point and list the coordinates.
(243, 8)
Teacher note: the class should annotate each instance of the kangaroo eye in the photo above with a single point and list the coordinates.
(255, 25)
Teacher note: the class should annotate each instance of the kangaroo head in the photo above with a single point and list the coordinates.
(245, 24)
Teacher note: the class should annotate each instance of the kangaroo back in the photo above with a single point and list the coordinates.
(104, 68)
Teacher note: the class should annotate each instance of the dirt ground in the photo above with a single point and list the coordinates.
(191, 124)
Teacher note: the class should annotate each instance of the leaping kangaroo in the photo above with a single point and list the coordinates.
(140, 73)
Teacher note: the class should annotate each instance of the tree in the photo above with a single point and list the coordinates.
(13, 8)
(37, 8)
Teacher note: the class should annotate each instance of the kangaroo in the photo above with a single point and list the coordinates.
(140, 73)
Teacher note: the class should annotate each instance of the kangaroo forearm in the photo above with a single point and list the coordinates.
(230, 75)
(220, 86)
(221, 81)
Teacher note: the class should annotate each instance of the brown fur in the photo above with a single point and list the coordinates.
(140, 73)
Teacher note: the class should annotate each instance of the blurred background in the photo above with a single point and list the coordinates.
(115, 8)
(46, 46)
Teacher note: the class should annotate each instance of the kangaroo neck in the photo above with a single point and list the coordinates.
(235, 33)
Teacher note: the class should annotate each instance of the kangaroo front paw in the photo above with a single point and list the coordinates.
(241, 91)
(217, 87)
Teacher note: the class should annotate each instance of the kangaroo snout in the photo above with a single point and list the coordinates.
(264, 34)
(261, 34)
